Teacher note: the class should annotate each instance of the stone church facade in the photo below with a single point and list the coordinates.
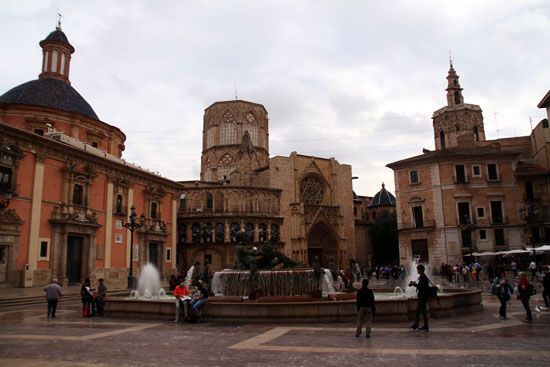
(301, 205)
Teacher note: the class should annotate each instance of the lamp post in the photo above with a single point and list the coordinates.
(8, 195)
(132, 225)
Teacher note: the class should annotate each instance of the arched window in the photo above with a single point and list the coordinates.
(218, 201)
(228, 129)
(249, 229)
(119, 202)
(182, 232)
(183, 201)
(220, 232)
(457, 97)
(442, 139)
(476, 134)
(209, 200)
(226, 165)
(275, 234)
(234, 228)
(78, 194)
(196, 233)
(262, 232)
(207, 233)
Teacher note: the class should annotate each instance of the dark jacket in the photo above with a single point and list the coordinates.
(365, 298)
(423, 286)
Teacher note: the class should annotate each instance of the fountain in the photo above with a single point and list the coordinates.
(149, 284)
(285, 295)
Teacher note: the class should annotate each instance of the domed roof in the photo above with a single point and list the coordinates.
(59, 37)
(49, 92)
(382, 198)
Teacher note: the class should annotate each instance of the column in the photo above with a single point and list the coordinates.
(34, 241)
(108, 225)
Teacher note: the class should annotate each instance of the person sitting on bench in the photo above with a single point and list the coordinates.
(200, 297)
(181, 293)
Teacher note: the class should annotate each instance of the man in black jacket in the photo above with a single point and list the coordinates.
(423, 293)
(365, 308)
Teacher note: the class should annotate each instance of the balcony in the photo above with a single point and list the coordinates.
(427, 225)
(210, 213)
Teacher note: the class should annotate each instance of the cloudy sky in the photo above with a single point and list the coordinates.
(354, 80)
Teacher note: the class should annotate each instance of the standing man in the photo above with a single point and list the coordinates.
(53, 292)
(365, 308)
(100, 299)
(423, 292)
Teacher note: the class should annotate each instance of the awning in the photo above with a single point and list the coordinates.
(486, 253)
(515, 252)
(543, 248)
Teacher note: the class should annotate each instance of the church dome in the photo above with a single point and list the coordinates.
(52, 89)
(49, 92)
(57, 36)
(382, 198)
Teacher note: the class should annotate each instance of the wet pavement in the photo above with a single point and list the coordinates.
(28, 338)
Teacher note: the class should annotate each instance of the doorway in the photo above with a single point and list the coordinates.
(74, 259)
(154, 256)
(3, 263)
(420, 250)
(322, 242)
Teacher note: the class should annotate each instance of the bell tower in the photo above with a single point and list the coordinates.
(458, 124)
(56, 55)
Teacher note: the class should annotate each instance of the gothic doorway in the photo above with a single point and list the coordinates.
(74, 259)
(322, 242)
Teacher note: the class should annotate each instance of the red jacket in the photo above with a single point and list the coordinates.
(181, 291)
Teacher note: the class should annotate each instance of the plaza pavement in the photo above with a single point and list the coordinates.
(28, 338)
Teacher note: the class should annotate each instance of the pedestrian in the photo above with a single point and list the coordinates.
(514, 266)
(365, 308)
(504, 295)
(546, 288)
(100, 298)
(524, 293)
(423, 292)
(533, 269)
(87, 298)
(53, 292)
(172, 283)
(181, 292)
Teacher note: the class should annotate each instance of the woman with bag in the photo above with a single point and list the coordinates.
(524, 293)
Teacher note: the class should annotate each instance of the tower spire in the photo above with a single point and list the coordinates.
(454, 92)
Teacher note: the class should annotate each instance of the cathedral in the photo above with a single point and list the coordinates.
(72, 208)
(301, 205)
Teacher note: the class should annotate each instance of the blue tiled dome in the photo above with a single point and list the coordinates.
(52, 93)
(382, 198)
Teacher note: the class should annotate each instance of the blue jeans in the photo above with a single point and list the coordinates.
(197, 304)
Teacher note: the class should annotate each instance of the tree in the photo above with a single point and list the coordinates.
(383, 234)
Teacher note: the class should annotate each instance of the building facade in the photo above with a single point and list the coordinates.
(301, 205)
(464, 196)
(66, 191)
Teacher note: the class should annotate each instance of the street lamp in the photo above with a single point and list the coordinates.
(8, 195)
(132, 225)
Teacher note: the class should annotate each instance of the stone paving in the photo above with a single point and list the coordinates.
(28, 338)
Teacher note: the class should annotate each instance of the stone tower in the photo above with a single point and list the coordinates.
(235, 141)
(458, 124)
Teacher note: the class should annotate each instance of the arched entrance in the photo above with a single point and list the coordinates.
(322, 242)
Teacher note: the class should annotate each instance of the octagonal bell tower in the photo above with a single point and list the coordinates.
(234, 131)
(458, 124)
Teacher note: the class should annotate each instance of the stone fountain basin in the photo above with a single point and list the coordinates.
(297, 308)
